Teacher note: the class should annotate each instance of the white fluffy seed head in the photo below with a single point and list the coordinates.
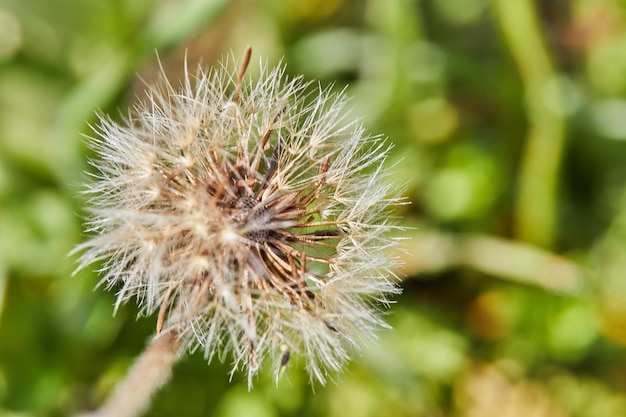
(249, 214)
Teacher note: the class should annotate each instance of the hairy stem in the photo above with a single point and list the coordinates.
(151, 371)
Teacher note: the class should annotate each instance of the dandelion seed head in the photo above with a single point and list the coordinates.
(250, 214)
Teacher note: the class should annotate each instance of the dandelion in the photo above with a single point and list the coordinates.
(250, 216)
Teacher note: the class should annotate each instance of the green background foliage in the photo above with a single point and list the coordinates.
(508, 119)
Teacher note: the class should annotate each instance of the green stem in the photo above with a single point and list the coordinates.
(535, 211)
(504, 259)
(3, 287)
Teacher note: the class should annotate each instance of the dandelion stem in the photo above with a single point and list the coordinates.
(151, 371)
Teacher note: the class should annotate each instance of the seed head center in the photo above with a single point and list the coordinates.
(252, 218)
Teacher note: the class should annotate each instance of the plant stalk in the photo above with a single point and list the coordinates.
(150, 372)
(536, 206)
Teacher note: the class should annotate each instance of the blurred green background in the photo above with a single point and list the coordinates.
(509, 124)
